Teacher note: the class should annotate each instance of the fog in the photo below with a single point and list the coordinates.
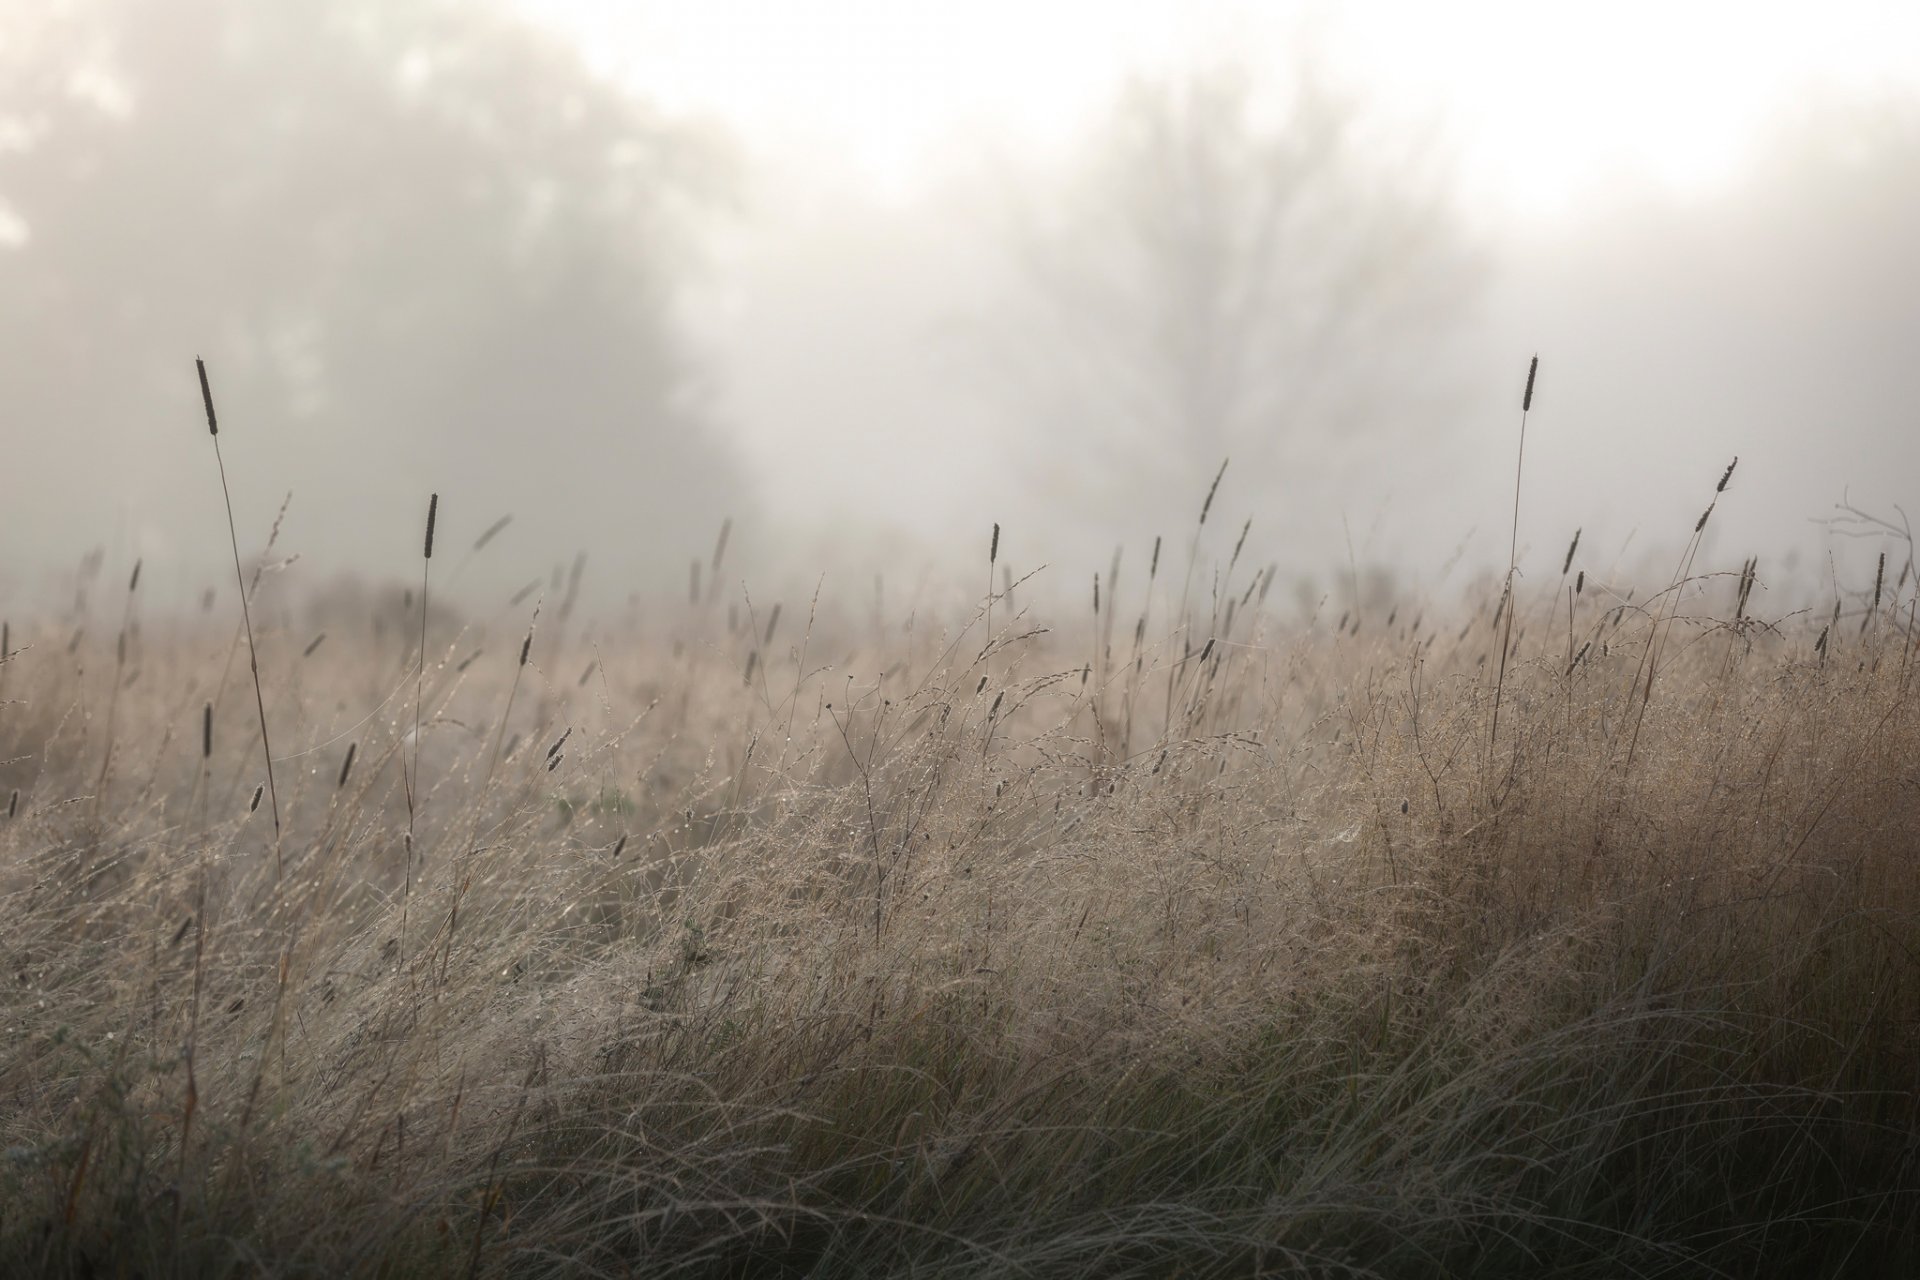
(463, 249)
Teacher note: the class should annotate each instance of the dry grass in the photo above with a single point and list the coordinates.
(1230, 950)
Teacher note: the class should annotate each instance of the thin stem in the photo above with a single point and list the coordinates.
(246, 616)
(1513, 559)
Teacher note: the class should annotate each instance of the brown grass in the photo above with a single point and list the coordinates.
(837, 972)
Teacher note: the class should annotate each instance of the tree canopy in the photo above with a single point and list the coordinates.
(419, 245)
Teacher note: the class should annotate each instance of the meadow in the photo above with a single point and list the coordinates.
(1173, 933)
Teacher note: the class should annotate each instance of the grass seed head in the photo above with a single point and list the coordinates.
(206, 397)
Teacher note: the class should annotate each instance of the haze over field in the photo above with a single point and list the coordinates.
(954, 641)
(867, 277)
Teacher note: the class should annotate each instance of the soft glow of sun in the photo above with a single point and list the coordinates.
(1543, 103)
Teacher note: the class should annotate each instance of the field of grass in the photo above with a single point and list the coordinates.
(1137, 940)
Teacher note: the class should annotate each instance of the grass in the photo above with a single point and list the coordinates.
(884, 961)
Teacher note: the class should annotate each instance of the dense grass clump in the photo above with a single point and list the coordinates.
(1205, 944)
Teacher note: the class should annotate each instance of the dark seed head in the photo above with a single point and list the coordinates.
(433, 509)
(346, 765)
(993, 548)
(1526, 400)
(206, 396)
(492, 529)
(206, 733)
(257, 792)
(134, 581)
(1726, 475)
(1571, 548)
(1211, 490)
(618, 845)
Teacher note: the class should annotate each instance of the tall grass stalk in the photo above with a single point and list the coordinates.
(1513, 558)
(246, 615)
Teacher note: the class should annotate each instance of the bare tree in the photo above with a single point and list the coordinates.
(1221, 275)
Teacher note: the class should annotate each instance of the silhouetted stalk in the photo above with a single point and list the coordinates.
(1513, 555)
(246, 617)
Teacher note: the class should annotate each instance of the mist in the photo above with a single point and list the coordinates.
(440, 249)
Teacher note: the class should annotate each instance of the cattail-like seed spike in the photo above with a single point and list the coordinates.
(554, 750)
(134, 581)
(255, 803)
(993, 547)
(206, 733)
(1701, 523)
(720, 545)
(1879, 579)
(1153, 566)
(1580, 582)
(618, 845)
(206, 397)
(1235, 559)
(1571, 548)
(1526, 399)
(1211, 490)
(1727, 475)
(433, 509)
(346, 765)
(492, 529)
(1096, 594)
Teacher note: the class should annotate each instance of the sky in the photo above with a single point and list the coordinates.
(1698, 215)
(1545, 102)
(1579, 138)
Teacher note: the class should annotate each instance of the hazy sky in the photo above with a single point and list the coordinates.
(1600, 148)
(1545, 101)
(1700, 215)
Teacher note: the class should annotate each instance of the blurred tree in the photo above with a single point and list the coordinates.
(1220, 278)
(420, 246)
